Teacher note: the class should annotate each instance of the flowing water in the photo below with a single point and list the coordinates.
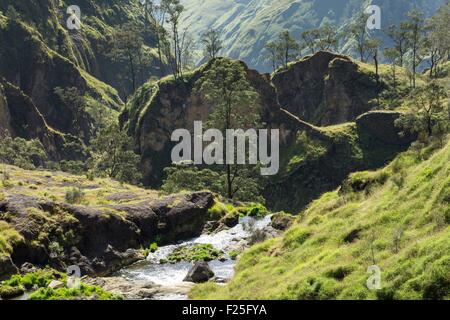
(172, 275)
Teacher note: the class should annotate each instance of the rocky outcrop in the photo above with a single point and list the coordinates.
(21, 118)
(157, 110)
(30, 65)
(381, 126)
(138, 289)
(365, 145)
(325, 89)
(200, 272)
(7, 267)
(88, 48)
(282, 221)
(99, 240)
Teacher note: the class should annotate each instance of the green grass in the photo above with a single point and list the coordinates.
(8, 237)
(39, 281)
(198, 252)
(326, 253)
(219, 210)
(85, 291)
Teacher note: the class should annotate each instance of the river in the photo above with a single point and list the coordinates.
(169, 276)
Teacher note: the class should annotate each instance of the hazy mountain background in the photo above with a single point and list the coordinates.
(247, 25)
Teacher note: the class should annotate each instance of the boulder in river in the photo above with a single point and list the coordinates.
(200, 272)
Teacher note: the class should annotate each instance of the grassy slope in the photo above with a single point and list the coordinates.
(312, 260)
(53, 186)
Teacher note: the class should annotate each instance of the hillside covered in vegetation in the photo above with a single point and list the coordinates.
(400, 219)
(117, 171)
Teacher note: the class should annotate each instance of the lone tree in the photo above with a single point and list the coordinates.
(399, 35)
(127, 46)
(174, 48)
(325, 38)
(359, 34)
(328, 38)
(212, 43)
(415, 30)
(154, 17)
(112, 155)
(428, 110)
(288, 47)
(225, 86)
(437, 39)
(309, 38)
(272, 54)
(392, 55)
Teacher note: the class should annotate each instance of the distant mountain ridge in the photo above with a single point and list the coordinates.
(247, 25)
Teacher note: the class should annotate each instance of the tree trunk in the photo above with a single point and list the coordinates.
(414, 64)
(229, 184)
(395, 79)
(133, 76)
(429, 127)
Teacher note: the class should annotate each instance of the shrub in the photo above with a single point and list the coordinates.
(255, 210)
(218, 210)
(39, 279)
(152, 248)
(27, 154)
(437, 281)
(73, 294)
(74, 167)
(8, 292)
(339, 273)
(74, 196)
(385, 294)
(233, 255)
(199, 252)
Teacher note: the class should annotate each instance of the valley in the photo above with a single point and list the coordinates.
(128, 163)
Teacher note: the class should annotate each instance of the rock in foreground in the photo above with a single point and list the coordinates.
(200, 272)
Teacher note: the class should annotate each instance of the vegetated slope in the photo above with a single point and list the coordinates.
(248, 25)
(158, 108)
(57, 219)
(90, 47)
(325, 88)
(36, 70)
(319, 162)
(48, 69)
(396, 218)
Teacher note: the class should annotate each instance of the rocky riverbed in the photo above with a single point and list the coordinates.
(151, 279)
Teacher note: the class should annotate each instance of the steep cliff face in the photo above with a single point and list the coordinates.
(90, 47)
(28, 63)
(326, 89)
(69, 76)
(313, 159)
(314, 164)
(159, 108)
(20, 117)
